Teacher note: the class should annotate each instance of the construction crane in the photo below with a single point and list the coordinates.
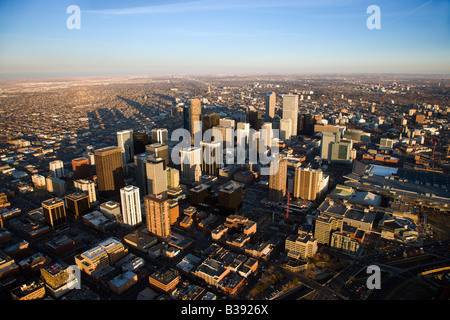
(288, 197)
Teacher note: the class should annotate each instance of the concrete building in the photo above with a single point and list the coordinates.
(290, 111)
(301, 246)
(88, 187)
(81, 168)
(230, 197)
(270, 102)
(125, 143)
(190, 157)
(277, 179)
(77, 204)
(156, 175)
(211, 157)
(157, 215)
(159, 151)
(131, 205)
(54, 213)
(110, 174)
(56, 169)
(164, 280)
(309, 183)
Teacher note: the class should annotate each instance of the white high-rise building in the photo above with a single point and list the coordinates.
(57, 169)
(131, 205)
(86, 186)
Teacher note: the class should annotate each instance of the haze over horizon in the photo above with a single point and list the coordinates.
(210, 37)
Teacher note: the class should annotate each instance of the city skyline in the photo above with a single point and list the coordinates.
(167, 37)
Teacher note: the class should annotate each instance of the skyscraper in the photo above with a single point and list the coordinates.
(211, 157)
(86, 186)
(290, 111)
(156, 175)
(189, 158)
(54, 212)
(160, 135)
(159, 150)
(210, 120)
(277, 179)
(109, 170)
(131, 205)
(125, 143)
(195, 118)
(157, 215)
(270, 105)
(254, 117)
(81, 168)
(307, 183)
(57, 169)
(77, 204)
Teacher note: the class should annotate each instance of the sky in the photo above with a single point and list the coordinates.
(139, 37)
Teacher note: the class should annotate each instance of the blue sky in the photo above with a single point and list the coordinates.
(226, 36)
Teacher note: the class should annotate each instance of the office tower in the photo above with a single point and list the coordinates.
(125, 143)
(189, 158)
(197, 174)
(111, 210)
(210, 120)
(267, 134)
(341, 150)
(57, 169)
(77, 204)
(230, 197)
(211, 157)
(86, 186)
(270, 105)
(309, 122)
(301, 246)
(242, 139)
(56, 277)
(254, 117)
(157, 213)
(173, 178)
(140, 172)
(225, 122)
(109, 170)
(54, 213)
(277, 179)
(159, 150)
(290, 111)
(38, 181)
(300, 124)
(160, 135)
(131, 205)
(156, 175)
(325, 145)
(81, 168)
(140, 140)
(307, 183)
(56, 185)
(285, 129)
(195, 114)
